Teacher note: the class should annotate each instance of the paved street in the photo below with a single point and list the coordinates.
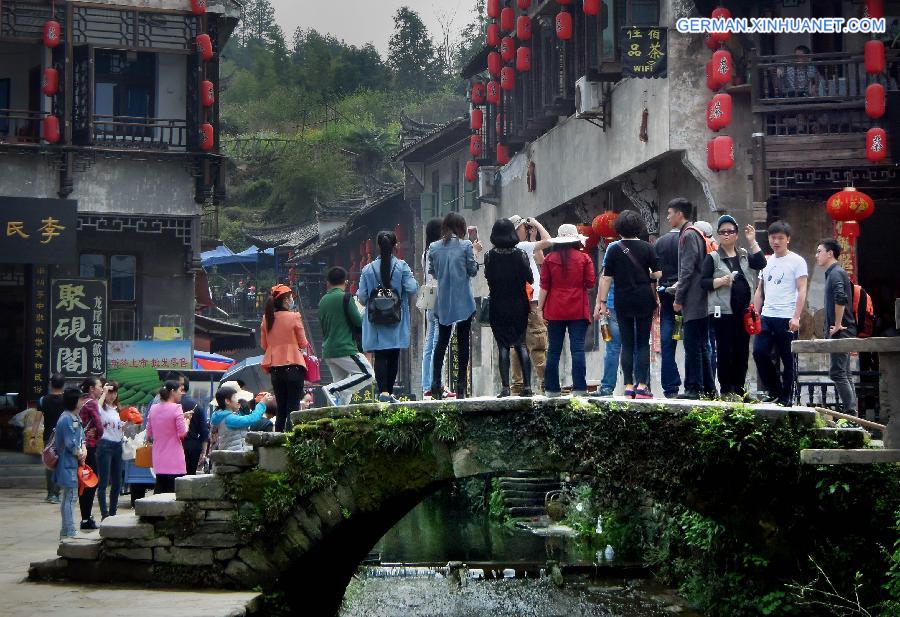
(29, 533)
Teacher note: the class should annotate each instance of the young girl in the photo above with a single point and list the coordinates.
(71, 450)
(109, 451)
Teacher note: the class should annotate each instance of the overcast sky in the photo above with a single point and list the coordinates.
(366, 21)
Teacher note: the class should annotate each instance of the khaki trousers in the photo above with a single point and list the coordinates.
(536, 343)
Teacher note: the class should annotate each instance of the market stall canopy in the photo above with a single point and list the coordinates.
(211, 361)
(224, 256)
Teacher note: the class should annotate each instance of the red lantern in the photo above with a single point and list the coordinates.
(498, 125)
(874, 9)
(524, 4)
(508, 78)
(508, 19)
(507, 49)
(876, 144)
(493, 92)
(51, 129)
(875, 101)
(476, 119)
(850, 205)
(471, 171)
(493, 35)
(205, 47)
(710, 160)
(712, 85)
(711, 43)
(722, 67)
(476, 146)
(494, 63)
(523, 59)
(478, 92)
(493, 9)
(207, 137)
(198, 7)
(207, 93)
(603, 225)
(564, 26)
(523, 28)
(52, 33)
(722, 153)
(502, 154)
(718, 112)
(874, 57)
(50, 82)
(591, 7)
(720, 37)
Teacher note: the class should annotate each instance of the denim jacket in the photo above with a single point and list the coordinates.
(69, 437)
(453, 265)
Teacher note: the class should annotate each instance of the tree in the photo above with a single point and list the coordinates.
(412, 55)
(471, 38)
(258, 24)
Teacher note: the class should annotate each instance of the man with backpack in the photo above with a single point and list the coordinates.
(840, 321)
(339, 316)
(691, 302)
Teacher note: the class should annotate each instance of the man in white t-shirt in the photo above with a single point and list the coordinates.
(533, 239)
(780, 299)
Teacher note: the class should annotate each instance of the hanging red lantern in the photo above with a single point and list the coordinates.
(710, 83)
(493, 9)
(875, 101)
(711, 43)
(51, 129)
(603, 225)
(50, 82)
(52, 33)
(471, 171)
(476, 146)
(508, 19)
(494, 63)
(476, 119)
(722, 67)
(205, 47)
(478, 92)
(502, 154)
(493, 35)
(718, 112)
(498, 125)
(523, 59)
(508, 49)
(710, 160)
(207, 93)
(874, 57)
(723, 36)
(198, 7)
(493, 92)
(508, 78)
(874, 9)
(850, 205)
(722, 153)
(876, 144)
(524, 4)
(523, 28)
(564, 26)
(591, 7)
(207, 137)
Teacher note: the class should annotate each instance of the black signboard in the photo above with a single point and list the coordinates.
(37, 341)
(78, 327)
(644, 51)
(38, 231)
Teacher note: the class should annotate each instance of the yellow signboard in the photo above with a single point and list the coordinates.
(167, 333)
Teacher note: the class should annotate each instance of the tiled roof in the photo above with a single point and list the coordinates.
(346, 207)
(421, 137)
(284, 235)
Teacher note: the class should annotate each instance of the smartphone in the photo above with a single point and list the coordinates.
(473, 233)
(717, 312)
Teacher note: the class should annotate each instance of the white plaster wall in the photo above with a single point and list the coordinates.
(140, 187)
(27, 176)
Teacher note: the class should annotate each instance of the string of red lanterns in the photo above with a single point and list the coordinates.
(719, 73)
(52, 37)
(204, 45)
(876, 101)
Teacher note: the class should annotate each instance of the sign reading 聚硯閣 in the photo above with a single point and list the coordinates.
(172, 355)
(78, 327)
(38, 231)
(644, 52)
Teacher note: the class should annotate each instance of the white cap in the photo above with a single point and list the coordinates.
(568, 233)
(516, 220)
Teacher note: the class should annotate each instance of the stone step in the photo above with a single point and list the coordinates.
(527, 511)
(23, 470)
(865, 456)
(163, 505)
(529, 479)
(524, 495)
(126, 527)
(522, 474)
(29, 482)
(11, 457)
(79, 548)
(517, 502)
(199, 488)
(544, 487)
(846, 437)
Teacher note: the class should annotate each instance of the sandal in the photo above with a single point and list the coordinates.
(643, 393)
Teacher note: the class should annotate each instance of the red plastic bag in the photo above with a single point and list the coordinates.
(313, 373)
(752, 322)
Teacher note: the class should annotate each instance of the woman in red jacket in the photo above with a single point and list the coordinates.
(283, 339)
(566, 276)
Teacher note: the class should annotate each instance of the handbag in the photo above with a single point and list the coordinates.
(426, 298)
(484, 311)
(383, 306)
(49, 455)
(641, 269)
(313, 370)
(143, 456)
(752, 322)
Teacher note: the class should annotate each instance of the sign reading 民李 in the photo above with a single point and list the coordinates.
(644, 51)
(38, 231)
(78, 327)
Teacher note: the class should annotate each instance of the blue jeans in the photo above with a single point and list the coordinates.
(556, 331)
(775, 335)
(109, 473)
(67, 508)
(669, 376)
(611, 358)
(431, 335)
(698, 375)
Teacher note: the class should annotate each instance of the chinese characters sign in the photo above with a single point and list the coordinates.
(38, 357)
(37, 231)
(78, 327)
(166, 355)
(644, 51)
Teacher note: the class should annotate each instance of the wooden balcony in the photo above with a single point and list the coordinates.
(20, 126)
(139, 133)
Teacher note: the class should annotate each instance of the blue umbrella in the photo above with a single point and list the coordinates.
(251, 373)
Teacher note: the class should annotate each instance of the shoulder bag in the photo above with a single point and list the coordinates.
(426, 298)
(383, 306)
(642, 270)
(355, 331)
(143, 455)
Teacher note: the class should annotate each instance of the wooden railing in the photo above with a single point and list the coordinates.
(140, 133)
(20, 126)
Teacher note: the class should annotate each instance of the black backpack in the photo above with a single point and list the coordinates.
(383, 306)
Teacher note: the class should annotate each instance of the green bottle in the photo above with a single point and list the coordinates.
(679, 328)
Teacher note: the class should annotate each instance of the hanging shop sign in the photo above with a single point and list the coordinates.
(78, 327)
(644, 52)
(38, 231)
(37, 352)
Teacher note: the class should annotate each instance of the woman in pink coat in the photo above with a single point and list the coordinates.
(166, 426)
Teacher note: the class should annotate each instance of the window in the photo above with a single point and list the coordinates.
(125, 84)
(93, 266)
(643, 13)
(120, 273)
(122, 326)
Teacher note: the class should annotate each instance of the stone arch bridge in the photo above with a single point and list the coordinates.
(299, 512)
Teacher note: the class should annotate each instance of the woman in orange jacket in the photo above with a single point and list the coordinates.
(283, 340)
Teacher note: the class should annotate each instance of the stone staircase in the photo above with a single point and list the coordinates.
(524, 493)
(19, 470)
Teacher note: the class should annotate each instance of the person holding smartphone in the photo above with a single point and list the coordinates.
(729, 275)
